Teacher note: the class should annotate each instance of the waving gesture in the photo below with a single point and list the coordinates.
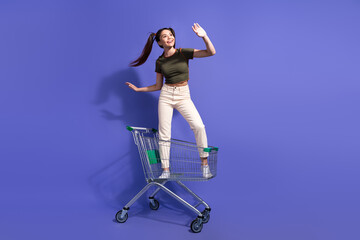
(198, 30)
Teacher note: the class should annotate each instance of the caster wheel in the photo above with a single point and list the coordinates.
(118, 217)
(206, 215)
(196, 227)
(156, 206)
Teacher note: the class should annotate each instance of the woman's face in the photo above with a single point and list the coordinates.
(167, 39)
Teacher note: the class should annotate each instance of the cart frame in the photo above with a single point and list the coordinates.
(147, 138)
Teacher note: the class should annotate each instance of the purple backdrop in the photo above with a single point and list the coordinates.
(280, 98)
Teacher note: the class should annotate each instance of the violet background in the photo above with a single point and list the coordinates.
(280, 99)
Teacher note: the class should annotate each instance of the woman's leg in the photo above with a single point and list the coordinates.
(188, 110)
(165, 111)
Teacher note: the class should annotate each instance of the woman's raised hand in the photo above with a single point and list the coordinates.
(132, 86)
(198, 30)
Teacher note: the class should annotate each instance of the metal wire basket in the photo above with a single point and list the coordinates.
(183, 157)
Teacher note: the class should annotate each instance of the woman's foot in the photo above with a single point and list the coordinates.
(165, 174)
(206, 171)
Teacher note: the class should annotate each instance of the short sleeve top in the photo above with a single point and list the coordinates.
(175, 68)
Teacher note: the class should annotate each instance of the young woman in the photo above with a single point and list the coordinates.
(173, 65)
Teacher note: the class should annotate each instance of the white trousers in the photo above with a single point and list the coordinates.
(178, 98)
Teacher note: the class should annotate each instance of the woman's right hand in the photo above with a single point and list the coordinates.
(132, 86)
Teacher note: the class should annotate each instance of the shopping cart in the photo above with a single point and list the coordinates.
(185, 165)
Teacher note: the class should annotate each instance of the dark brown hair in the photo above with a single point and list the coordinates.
(148, 46)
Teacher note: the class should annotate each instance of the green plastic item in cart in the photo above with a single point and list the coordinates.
(153, 156)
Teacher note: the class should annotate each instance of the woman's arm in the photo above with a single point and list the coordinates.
(210, 49)
(157, 86)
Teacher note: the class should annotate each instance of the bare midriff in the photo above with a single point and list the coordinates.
(179, 84)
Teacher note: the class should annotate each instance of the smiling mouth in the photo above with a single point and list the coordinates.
(170, 41)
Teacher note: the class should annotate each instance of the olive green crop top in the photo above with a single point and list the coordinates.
(176, 67)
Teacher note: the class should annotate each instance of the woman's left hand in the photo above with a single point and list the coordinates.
(198, 30)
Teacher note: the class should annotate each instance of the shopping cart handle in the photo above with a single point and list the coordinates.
(209, 149)
(141, 128)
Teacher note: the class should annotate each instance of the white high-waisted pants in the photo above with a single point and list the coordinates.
(178, 98)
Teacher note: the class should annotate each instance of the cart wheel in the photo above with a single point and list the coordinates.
(196, 226)
(156, 206)
(118, 217)
(206, 215)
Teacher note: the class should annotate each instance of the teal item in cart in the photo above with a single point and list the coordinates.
(153, 156)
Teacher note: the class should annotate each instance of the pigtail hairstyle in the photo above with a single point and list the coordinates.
(148, 46)
(145, 53)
